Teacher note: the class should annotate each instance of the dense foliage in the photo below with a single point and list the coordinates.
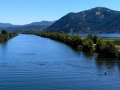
(94, 38)
(89, 44)
(110, 50)
(116, 41)
(73, 40)
(4, 32)
(106, 49)
(97, 19)
(4, 36)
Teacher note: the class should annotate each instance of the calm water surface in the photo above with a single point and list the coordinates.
(29, 62)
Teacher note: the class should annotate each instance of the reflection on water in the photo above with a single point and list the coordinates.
(119, 64)
(109, 65)
(29, 62)
(3, 46)
(89, 55)
(109, 62)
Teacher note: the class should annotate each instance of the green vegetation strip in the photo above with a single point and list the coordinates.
(115, 41)
(4, 36)
(92, 43)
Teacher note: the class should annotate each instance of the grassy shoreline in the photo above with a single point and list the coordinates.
(115, 41)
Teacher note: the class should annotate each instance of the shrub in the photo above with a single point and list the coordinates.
(107, 49)
(110, 50)
(100, 44)
(88, 45)
(4, 32)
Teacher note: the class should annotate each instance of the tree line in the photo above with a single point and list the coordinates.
(91, 43)
(5, 35)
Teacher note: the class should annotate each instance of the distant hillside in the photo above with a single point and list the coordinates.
(35, 26)
(42, 23)
(24, 28)
(5, 25)
(97, 19)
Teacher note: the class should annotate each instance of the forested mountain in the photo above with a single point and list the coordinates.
(97, 19)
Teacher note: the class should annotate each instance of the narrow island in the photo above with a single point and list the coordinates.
(5, 35)
(105, 48)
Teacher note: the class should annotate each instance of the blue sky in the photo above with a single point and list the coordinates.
(21, 12)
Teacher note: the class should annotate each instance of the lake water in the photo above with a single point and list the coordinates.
(29, 62)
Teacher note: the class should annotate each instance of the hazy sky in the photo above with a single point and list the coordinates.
(27, 11)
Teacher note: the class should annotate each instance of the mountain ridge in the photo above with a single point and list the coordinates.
(35, 26)
(41, 23)
(98, 19)
(5, 24)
